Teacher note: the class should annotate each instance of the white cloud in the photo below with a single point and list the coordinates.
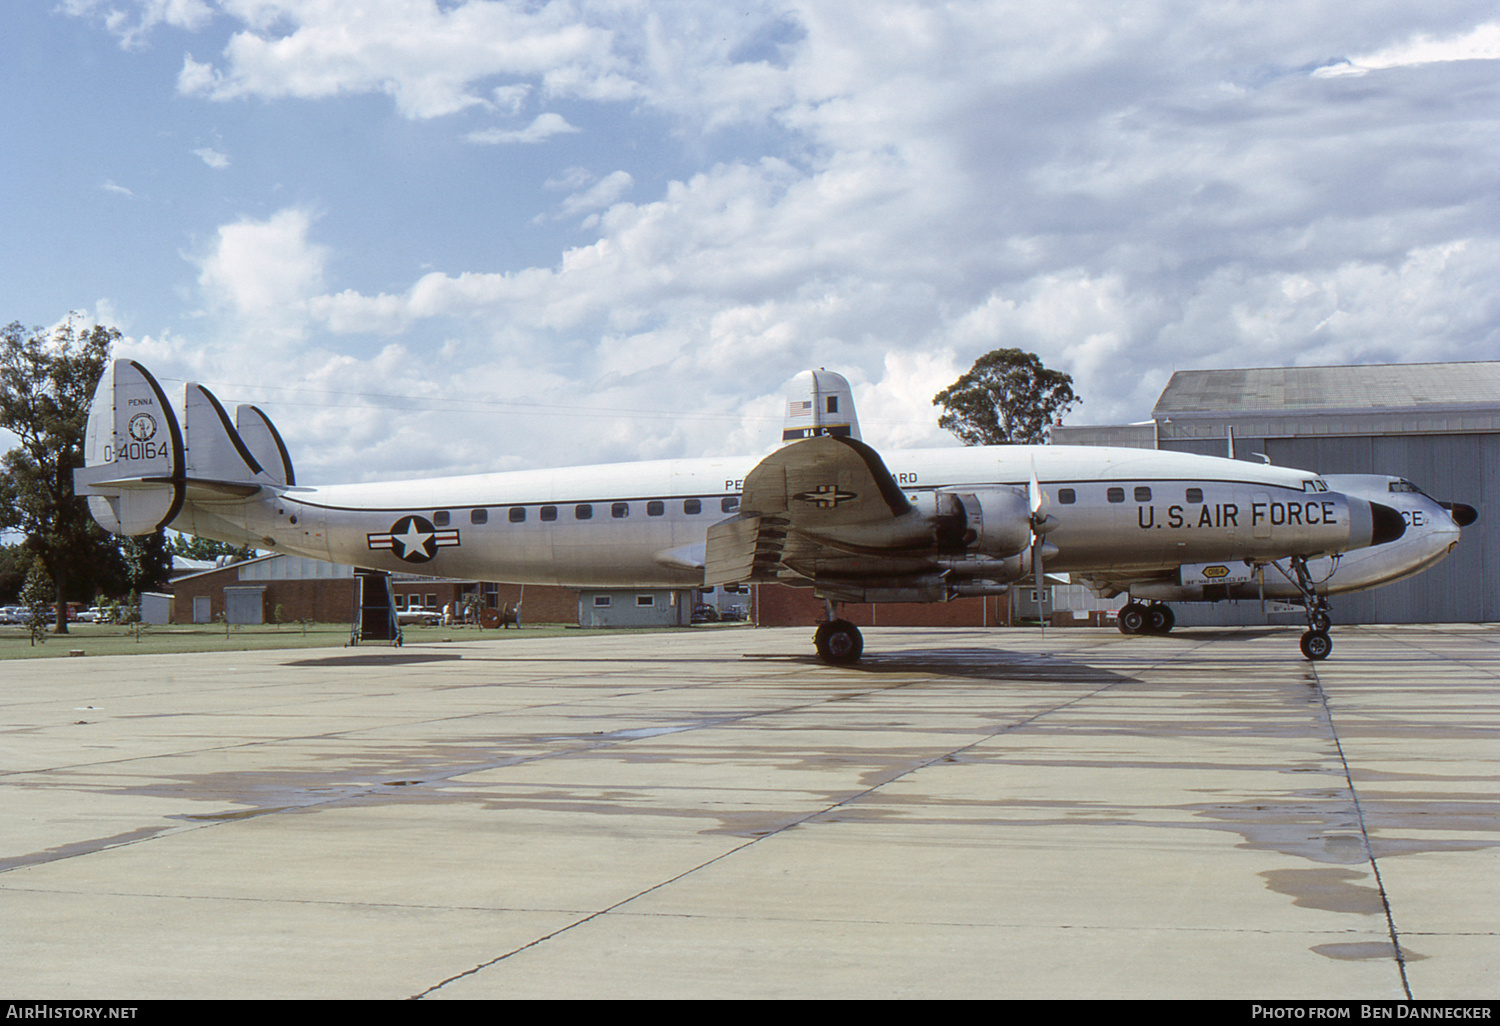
(265, 271)
(212, 157)
(1481, 44)
(603, 193)
(544, 127)
(427, 57)
(186, 14)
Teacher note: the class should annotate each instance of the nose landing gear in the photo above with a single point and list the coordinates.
(1316, 644)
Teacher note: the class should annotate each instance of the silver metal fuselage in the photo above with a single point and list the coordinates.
(1431, 533)
(644, 524)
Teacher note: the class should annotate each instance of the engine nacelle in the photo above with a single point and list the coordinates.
(997, 521)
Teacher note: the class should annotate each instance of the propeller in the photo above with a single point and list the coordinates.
(1040, 503)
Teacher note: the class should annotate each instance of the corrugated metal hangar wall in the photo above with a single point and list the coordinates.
(1436, 425)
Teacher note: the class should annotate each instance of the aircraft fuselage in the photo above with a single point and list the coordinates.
(644, 524)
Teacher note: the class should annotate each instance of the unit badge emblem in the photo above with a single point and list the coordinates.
(142, 427)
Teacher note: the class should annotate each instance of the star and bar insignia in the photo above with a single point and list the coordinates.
(413, 539)
(826, 496)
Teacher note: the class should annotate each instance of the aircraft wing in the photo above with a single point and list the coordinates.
(823, 507)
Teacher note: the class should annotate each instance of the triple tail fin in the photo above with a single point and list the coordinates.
(140, 466)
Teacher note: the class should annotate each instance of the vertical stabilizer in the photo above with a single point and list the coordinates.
(133, 456)
(215, 451)
(262, 438)
(820, 402)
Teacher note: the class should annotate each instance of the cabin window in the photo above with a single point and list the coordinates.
(1142, 493)
(645, 600)
(548, 513)
(583, 511)
(518, 514)
(1067, 496)
(620, 510)
(656, 508)
(1115, 495)
(440, 518)
(692, 507)
(479, 516)
(730, 504)
(1195, 495)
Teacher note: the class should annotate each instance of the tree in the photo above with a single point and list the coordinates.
(46, 383)
(34, 598)
(194, 547)
(1007, 397)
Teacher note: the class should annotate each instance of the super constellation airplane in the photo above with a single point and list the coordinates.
(824, 511)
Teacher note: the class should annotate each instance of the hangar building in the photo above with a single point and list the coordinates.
(1435, 424)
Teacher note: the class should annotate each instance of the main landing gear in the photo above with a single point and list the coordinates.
(838, 641)
(1146, 618)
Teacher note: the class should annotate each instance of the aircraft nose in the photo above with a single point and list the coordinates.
(1463, 514)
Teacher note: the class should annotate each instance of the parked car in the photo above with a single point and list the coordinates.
(705, 613)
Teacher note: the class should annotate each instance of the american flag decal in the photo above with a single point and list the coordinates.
(799, 409)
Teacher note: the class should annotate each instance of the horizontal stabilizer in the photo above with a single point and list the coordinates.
(133, 473)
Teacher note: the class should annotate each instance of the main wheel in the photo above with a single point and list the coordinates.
(839, 642)
(1316, 645)
(1132, 618)
(1160, 619)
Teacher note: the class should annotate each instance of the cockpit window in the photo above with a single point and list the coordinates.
(1315, 485)
(1405, 486)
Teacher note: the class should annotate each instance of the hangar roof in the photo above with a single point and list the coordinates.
(1400, 398)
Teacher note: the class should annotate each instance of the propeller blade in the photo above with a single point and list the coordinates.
(1039, 500)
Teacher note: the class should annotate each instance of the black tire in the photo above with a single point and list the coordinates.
(1132, 618)
(1316, 645)
(839, 643)
(1159, 619)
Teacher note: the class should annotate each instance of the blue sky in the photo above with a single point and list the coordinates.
(463, 236)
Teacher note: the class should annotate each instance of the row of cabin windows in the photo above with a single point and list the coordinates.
(585, 511)
(1068, 496)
